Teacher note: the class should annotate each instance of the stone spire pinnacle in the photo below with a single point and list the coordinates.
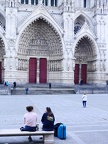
(69, 5)
(10, 3)
(101, 6)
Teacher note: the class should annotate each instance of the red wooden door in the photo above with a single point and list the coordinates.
(0, 72)
(76, 74)
(32, 70)
(84, 73)
(43, 70)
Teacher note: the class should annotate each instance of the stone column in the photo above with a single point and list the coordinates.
(43, 2)
(10, 63)
(49, 3)
(34, 2)
(40, 1)
(79, 71)
(38, 70)
(30, 2)
(54, 2)
(48, 69)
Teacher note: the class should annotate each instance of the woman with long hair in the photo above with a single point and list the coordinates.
(48, 120)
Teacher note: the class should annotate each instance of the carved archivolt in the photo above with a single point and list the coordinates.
(40, 40)
(85, 49)
(2, 22)
(85, 52)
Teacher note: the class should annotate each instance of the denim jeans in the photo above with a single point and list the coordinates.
(84, 103)
(28, 128)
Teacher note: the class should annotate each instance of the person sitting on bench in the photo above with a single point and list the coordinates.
(48, 120)
(30, 121)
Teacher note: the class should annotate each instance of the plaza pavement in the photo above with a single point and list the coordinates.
(84, 125)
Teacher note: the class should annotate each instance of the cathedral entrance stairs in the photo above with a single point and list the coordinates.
(36, 89)
(4, 90)
(91, 89)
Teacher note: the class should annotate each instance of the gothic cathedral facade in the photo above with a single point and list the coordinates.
(58, 41)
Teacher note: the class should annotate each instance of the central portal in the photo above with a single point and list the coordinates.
(40, 42)
(37, 68)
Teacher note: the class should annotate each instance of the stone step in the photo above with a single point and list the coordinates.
(4, 90)
(42, 91)
(46, 85)
(91, 89)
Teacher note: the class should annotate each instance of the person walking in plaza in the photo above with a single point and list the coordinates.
(30, 121)
(84, 99)
(48, 120)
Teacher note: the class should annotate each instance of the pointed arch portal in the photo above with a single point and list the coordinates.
(40, 52)
(85, 63)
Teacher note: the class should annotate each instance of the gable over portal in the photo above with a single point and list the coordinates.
(40, 13)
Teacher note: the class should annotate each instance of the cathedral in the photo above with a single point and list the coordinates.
(54, 41)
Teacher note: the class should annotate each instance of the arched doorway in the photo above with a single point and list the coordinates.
(85, 63)
(40, 53)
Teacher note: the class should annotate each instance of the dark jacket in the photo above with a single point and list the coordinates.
(48, 122)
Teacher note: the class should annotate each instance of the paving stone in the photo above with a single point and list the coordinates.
(84, 125)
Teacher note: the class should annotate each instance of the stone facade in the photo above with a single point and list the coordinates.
(70, 34)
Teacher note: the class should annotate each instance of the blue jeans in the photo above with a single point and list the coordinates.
(26, 91)
(84, 103)
(28, 128)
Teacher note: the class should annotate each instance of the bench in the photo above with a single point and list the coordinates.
(48, 136)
